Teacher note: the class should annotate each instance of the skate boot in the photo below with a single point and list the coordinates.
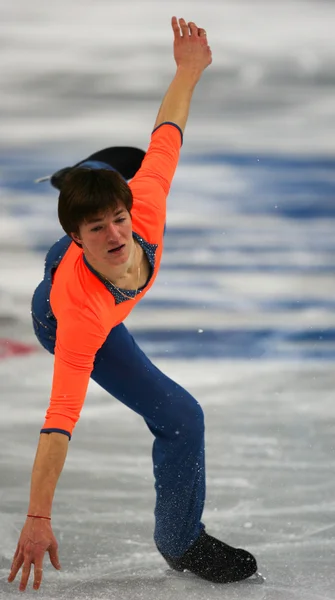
(215, 561)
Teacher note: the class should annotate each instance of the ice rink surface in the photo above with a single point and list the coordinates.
(250, 250)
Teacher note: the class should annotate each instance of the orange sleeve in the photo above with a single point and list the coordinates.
(153, 180)
(79, 337)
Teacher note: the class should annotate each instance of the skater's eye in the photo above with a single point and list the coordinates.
(97, 228)
(120, 220)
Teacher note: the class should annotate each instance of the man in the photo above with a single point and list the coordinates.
(94, 276)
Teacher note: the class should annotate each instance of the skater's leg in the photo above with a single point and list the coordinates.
(176, 420)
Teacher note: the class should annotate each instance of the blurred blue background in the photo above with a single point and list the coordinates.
(250, 237)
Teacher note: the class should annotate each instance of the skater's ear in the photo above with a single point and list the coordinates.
(76, 239)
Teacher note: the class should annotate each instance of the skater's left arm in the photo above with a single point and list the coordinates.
(192, 55)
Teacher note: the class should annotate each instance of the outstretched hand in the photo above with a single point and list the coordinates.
(190, 48)
(35, 540)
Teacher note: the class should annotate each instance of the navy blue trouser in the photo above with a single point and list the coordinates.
(173, 416)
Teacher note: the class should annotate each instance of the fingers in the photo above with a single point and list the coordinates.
(38, 571)
(53, 554)
(26, 569)
(17, 552)
(25, 574)
(38, 574)
(16, 565)
(184, 27)
(175, 27)
(193, 28)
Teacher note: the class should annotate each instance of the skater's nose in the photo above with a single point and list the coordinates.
(113, 233)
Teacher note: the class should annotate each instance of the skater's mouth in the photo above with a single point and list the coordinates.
(117, 249)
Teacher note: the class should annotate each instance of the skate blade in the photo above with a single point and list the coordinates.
(257, 578)
(41, 179)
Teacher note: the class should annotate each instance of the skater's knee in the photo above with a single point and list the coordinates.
(191, 422)
(178, 416)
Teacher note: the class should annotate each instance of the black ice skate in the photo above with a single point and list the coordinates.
(126, 160)
(215, 561)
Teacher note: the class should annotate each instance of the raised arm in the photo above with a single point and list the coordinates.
(192, 55)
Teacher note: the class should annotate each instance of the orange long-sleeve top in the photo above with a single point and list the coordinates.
(85, 309)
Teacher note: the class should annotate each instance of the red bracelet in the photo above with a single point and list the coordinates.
(38, 517)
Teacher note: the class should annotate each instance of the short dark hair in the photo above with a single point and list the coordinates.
(86, 193)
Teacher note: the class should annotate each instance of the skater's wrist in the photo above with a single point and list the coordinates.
(39, 517)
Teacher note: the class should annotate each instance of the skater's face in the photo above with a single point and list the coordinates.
(107, 238)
